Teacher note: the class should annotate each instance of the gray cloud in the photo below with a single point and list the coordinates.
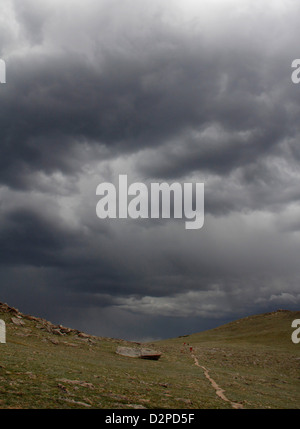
(176, 92)
(139, 90)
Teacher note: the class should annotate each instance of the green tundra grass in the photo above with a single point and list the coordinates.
(253, 361)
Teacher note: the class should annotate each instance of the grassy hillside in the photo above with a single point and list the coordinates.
(268, 330)
(252, 360)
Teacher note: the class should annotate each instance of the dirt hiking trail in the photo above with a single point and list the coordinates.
(219, 391)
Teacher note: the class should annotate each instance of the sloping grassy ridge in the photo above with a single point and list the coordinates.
(48, 366)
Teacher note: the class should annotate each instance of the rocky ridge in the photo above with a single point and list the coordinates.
(18, 319)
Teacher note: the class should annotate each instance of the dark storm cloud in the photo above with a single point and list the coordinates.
(62, 101)
(29, 238)
(147, 90)
(176, 91)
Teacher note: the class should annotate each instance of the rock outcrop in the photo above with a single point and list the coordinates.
(19, 318)
(138, 353)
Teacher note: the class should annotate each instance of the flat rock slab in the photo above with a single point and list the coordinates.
(138, 353)
(18, 321)
(150, 354)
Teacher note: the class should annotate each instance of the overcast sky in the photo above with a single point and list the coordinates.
(176, 91)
